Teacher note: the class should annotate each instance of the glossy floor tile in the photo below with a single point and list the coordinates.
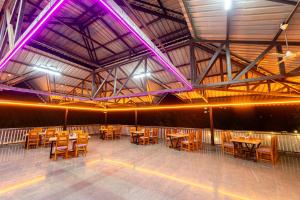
(120, 170)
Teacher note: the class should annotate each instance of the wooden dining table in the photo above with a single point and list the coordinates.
(136, 135)
(175, 138)
(103, 130)
(72, 138)
(246, 147)
(41, 134)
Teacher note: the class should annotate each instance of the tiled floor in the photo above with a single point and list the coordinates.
(120, 170)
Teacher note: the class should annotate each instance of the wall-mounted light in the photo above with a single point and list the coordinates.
(48, 70)
(148, 74)
(227, 4)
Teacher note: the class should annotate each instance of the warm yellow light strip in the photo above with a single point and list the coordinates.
(151, 108)
(22, 184)
(169, 177)
(193, 106)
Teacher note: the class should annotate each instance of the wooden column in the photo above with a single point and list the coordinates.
(211, 121)
(105, 119)
(136, 119)
(66, 119)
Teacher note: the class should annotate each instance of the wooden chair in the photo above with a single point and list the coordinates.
(132, 130)
(78, 132)
(62, 133)
(146, 138)
(227, 146)
(167, 139)
(81, 143)
(33, 139)
(117, 134)
(188, 144)
(268, 153)
(154, 136)
(198, 140)
(38, 129)
(109, 135)
(62, 145)
(50, 132)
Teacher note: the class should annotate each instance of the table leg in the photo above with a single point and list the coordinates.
(177, 141)
(26, 141)
(137, 139)
(51, 146)
(171, 140)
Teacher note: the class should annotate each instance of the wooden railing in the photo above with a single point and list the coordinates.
(288, 142)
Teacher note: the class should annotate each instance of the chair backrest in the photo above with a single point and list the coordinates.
(167, 131)
(155, 132)
(33, 135)
(50, 132)
(77, 132)
(228, 136)
(199, 135)
(274, 143)
(132, 129)
(62, 140)
(141, 128)
(63, 133)
(175, 130)
(38, 129)
(82, 138)
(147, 132)
(191, 137)
(225, 136)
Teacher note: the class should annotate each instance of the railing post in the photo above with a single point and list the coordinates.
(66, 119)
(136, 119)
(105, 118)
(211, 121)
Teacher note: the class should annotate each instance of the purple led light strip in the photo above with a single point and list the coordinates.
(160, 58)
(28, 34)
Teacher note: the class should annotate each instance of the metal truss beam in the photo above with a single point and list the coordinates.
(46, 13)
(287, 2)
(45, 93)
(262, 55)
(115, 10)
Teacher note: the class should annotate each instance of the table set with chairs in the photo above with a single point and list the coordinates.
(110, 132)
(178, 139)
(249, 148)
(64, 143)
(144, 136)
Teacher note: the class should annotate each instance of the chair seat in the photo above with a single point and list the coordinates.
(81, 145)
(62, 148)
(264, 150)
(228, 144)
(186, 142)
(143, 137)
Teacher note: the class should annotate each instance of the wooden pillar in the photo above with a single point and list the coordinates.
(211, 121)
(105, 119)
(66, 119)
(136, 119)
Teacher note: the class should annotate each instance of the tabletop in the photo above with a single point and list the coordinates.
(74, 137)
(247, 140)
(178, 135)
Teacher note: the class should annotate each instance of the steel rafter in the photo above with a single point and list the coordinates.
(31, 30)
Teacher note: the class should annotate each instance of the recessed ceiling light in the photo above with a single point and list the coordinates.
(227, 4)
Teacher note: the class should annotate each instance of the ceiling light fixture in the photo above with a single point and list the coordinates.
(148, 74)
(227, 4)
(48, 70)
